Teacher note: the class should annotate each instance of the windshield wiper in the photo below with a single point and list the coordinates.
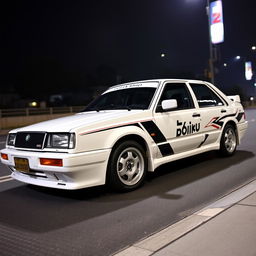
(109, 107)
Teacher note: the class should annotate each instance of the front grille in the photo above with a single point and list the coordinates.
(30, 140)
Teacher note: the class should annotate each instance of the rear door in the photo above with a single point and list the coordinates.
(212, 109)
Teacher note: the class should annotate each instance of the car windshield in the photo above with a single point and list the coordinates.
(132, 98)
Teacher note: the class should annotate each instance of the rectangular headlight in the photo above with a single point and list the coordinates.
(60, 140)
(11, 139)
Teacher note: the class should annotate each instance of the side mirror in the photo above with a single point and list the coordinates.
(169, 104)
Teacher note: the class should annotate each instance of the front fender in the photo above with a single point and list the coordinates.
(106, 139)
(121, 133)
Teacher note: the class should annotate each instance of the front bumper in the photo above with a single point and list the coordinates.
(78, 171)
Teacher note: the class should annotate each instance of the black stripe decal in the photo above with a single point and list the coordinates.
(205, 138)
(227, 116)
(239, 116)
(220, 123)
(166, 149)
(154, 132)
(158, 137)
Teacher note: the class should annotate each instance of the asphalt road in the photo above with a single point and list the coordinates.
(39, 221)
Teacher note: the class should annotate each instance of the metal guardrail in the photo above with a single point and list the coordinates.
(39, 111)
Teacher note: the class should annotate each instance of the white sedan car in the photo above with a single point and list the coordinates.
(130, 130)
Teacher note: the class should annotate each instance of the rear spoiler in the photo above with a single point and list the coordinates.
(235, 98)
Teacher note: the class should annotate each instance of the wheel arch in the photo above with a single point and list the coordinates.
(140, 140)
(233, 123)
(225, 141)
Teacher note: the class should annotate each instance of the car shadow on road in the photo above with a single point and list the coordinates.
(40, 210)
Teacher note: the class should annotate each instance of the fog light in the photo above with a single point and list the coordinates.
(51, 161)
(4, 156)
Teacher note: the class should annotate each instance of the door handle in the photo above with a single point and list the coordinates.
(223, 111)
(196, 115)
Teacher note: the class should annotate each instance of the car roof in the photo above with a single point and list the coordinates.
(159, 81)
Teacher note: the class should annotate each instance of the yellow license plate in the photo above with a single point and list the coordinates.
(21, 164)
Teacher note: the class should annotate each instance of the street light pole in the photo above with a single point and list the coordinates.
(211, 65)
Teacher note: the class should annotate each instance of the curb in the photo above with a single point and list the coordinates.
(159, 240)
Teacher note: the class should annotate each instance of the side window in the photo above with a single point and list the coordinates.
(205, 96)
(178, 92)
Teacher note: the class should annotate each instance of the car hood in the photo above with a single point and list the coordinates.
(82, 121)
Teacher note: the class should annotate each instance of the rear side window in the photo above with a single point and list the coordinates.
(205, 96)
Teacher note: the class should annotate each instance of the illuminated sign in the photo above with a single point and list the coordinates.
(248, 70)
(216, 22)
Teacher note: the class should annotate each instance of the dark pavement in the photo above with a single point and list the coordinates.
(94, 221)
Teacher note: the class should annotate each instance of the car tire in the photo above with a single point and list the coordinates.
(228, 142)
(127, 166)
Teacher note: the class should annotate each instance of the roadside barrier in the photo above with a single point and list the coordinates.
(13, 118)
(39, 111)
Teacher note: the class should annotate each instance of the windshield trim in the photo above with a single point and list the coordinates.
(152, 84)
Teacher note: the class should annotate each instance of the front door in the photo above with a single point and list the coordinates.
(181, 126)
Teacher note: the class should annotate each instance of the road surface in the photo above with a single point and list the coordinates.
(40, 221)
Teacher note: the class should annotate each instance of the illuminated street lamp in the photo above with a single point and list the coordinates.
(210, 43)
(216, 21)
(216, 29)
(33, 104)
(248, 67)
(254, 48)
(248, 70)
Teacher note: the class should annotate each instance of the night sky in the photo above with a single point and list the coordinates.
(70, 45)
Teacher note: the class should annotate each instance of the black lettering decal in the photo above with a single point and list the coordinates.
(193, 128)
(198, 128)
(178, 133)
(184, 129)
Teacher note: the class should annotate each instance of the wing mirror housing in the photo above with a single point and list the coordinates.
(169, 104)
